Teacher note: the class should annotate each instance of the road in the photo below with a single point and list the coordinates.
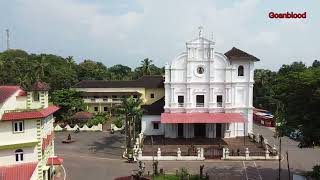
(96, 155)
(300, 160)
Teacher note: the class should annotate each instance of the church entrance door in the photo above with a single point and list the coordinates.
(199, 130)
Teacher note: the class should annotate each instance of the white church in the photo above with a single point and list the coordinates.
(207, 94)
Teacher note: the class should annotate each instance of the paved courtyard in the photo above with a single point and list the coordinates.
(97, 155)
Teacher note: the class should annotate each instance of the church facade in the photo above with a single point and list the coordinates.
(207, 94)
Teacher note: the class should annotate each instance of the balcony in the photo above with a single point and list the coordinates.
(180, 104)
(200, 105)
(219, 104)
(102, 100)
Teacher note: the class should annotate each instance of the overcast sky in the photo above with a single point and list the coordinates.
(126, 31)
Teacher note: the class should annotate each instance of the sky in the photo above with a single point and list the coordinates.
(127, 31)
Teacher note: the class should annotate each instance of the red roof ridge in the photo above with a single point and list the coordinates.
(7, 91)
(31, 114)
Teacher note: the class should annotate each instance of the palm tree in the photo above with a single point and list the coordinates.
(130, 108)
(145, 66)
(70, 61)
(39, 68)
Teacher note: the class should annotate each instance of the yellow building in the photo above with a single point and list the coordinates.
(102, 96)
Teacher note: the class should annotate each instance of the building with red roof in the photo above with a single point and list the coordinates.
(26, 133)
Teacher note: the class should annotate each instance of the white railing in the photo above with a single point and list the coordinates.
(246, 155)
(180, 104)
(178, 157)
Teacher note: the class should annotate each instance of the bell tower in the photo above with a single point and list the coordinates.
(37, 96)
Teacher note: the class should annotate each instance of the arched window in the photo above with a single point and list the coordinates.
(19, 155)
(240, 71)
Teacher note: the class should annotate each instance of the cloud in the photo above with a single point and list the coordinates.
(127, 31)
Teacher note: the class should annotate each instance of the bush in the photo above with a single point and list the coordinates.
(118, 122)
(315, 173)
(97, 119)
(183, 173)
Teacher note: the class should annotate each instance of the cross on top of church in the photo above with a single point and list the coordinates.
(200, 31)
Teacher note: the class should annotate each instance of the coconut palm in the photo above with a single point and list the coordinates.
(40, 66)
(146, 66)
(130, 109)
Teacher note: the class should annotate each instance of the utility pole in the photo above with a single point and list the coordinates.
(288, 165)
(8, 39)
(279, 157)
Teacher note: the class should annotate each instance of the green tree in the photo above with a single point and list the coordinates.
(299, 92)
(119, 72)
(294, 67)
(131, 110)
(146, 66)
(69, 101)
(40, 67)
(316, 64)
(99, 118)
(263, 91)
(92, 70)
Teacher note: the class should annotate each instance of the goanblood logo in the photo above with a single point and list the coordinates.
(287, 15)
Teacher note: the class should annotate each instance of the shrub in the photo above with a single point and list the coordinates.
(183, 173)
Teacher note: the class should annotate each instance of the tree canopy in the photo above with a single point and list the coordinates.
(296, 88)
(17, 67)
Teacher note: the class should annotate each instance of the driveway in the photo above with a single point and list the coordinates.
(97, 155)
(97, 144)
(300, 160)
(93, 155)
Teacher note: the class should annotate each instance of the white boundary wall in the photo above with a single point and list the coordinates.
(84, 128)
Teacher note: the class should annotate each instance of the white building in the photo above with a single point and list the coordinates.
(207, 94)
(26, 133)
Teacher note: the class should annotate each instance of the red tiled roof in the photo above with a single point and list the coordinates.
(201, 118)
(22, 93)
(40, 86)
(30, 115)
(237, 54)
(18, 172)
(7, 91)
(54, 161)
(83, 115)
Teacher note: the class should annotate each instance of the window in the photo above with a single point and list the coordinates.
(105, 98)
(155, 125)
(180, 101)
(240, 71)
(152, 95)
(200, 70)
(219, 100)
(36, 96)
(114, 96)
(19, 155)
(105, 108)
(18, 126)
(95, 108)
(200, 100)
(135, 96)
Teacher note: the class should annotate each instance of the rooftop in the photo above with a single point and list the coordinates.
(20, 171)
(154, 81)
(29, 114)
(7, 91)
(40, 86)
(237, 54)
